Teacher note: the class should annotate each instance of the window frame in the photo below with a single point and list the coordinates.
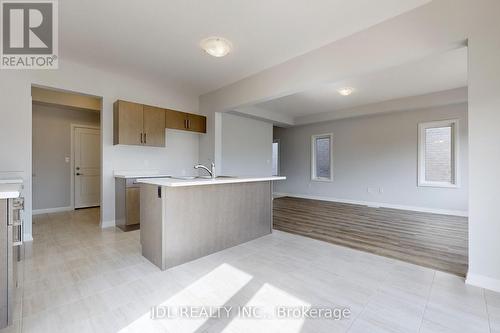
(314, 177)
(422, 127)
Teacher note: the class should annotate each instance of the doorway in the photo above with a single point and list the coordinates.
(66, 151)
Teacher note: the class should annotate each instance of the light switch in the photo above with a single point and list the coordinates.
(66, 159)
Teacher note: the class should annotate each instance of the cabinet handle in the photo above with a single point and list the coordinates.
(145, 138)
(18, 235)
(141, 137)
(189, 123)
(185, 123)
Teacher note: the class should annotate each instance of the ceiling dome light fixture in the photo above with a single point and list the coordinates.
(216, 46)
(345, 91)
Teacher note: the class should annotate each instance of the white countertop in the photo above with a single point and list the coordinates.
(139, 174)
(11, 181)
(10, 190)
(172, 182)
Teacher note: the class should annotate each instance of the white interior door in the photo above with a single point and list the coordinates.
(87, 166)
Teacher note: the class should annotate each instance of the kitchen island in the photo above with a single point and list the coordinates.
(186, 219)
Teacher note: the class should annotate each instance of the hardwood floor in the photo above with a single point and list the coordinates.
(430, 240)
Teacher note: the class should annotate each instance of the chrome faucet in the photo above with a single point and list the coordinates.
(211, 172)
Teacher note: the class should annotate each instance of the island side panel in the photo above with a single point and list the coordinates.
(120, 205)
(200, 220)
(151, 224)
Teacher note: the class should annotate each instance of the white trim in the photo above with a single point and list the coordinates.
(72, 159)
(313, 157)
(422, 182)
(278, 163)
(376, 204)
(483, 282)
(52, 210)
(107, 224)
(28, 187)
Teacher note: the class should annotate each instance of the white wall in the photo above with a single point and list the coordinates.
(51, 146)
(246, 146)
(484, 143)
(178, 158)
(376, 152)
(15, 113)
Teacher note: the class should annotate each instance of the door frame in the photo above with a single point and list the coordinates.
(72, 160)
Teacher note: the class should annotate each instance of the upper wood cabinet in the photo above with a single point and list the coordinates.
(154, 126)
(175, 119)
(185, 121)
(144, 125)
(196, 123)
(137, 124)
(127, 123)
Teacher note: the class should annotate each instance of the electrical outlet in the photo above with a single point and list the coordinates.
(66, 159)
(380, 190)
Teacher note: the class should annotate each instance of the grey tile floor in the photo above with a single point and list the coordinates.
(79, 278)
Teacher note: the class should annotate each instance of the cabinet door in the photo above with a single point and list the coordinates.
(175, 119)
(127, 123)
(197, 123)
(154, 126)
(132, 203)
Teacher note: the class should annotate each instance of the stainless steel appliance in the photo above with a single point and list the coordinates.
(11, 234)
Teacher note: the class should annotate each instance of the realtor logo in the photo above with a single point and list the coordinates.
(29, 35)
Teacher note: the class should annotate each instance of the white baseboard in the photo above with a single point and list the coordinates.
(483, 282)
(51, 210)
(108, 224)
(27, 238)
(375, 204)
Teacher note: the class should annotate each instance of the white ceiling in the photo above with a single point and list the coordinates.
(159, 38)
(436, 73)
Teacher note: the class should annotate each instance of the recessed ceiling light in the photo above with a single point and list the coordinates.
(216, 46)
(345, 91)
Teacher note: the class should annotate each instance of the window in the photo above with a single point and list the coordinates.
(276, 158)
(321, 157)
(438, 154)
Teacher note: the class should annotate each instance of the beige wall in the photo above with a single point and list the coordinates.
(51, 145)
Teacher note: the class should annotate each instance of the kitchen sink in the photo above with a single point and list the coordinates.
(216, 177)
(200, 177)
